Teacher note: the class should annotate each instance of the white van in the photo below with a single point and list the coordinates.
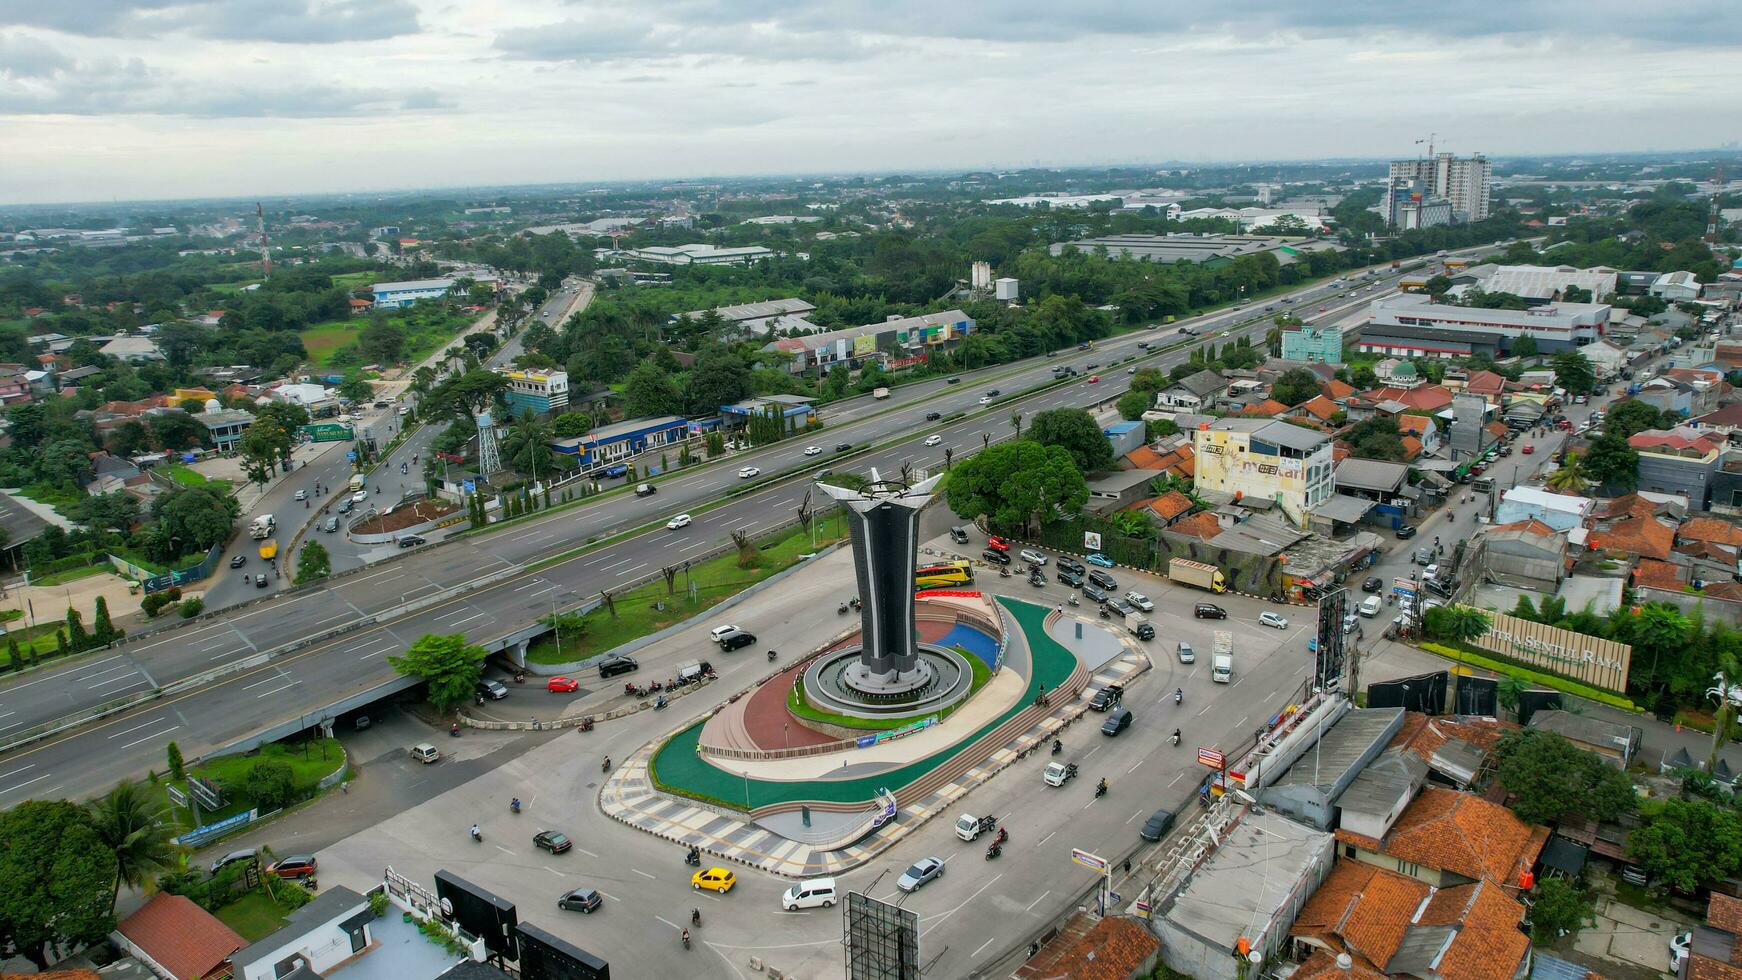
(425, 753)
(809, 895)
(1370, 606)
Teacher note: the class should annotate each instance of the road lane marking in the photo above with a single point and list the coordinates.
(1176, 779)
(644, 875)
(504, 850)
(166, 731)
(463, 622)
(267, 694)
(9, 775)
(1134, 816)
(1037, 901)
(1043, 840)
(129, 731)
(589, 854)
(27, 782)
(276, 676)
(129, 681)
(982, 948)
(1134, 767)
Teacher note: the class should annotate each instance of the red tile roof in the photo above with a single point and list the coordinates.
(1676, 439)
(1464, 834)
(1337, 390)
(1268, 408)
(1415, 424)
(1320, 408)
(1729, 416)
(1485, 383)
(1497, 429)
(1530, 524)
(1724, 912)
(1488, 944)
(1706, 968)
(1200, 525)
(1322, 965)
(1369, 909)
(1711, 529)
(1427, 398)
(1643, 536)
(1729, 591)
(1651, 573)
(1144, 458)
(1411, 447)
(1112, 950)
(1170, 505)
(183, 938)
(1423, 735)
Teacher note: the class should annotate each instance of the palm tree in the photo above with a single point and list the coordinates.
(1511, 691)
(1016, 421)
(527, 445)
(131, 823)
(423, 379)
(1571, 475)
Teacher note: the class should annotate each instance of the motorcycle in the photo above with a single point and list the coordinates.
(1175, 737)
(587, 723)
(842, 611)
(606, 765)
(693, 858)
(660, 704)
(1070, 770)
(1057, 746)
(686, 939)
(1003, 572)
(1101, 789)
(1073, 600)
(1179, 696)
(477, 835)
(514, 805)
(1003, 835)
(771, 655)
(993, 850)
(308, 881)
(696, 918)
(855, 603)
(454, 730)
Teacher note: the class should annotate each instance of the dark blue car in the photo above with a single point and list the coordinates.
(619, 470)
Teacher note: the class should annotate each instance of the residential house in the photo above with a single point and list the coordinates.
(1193, 393)
(1202, 525)
(1118, 490)
(1372, 479)
(1526, 554)
(1630, 537)
(1126, 436)
(1267, 408)
(1714, 545)
(1264, 460)
(1425, 400)
(1715, 948)
(225, 426)
(179, 940)
(1617, 744)
(1455, 749)
(1688, 391)
(1425, 430)
(314, 939)
(1169, 507)
(1682, 460)
(1318, 410)
(1726, 421)
(1559, 511)
(1112, 947)
(1676, 287)
(1446, 838)
(1310, 790)
(1338, 391)
(1607, 358)
(133, 350)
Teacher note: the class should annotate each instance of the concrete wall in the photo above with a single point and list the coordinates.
(1669, 474)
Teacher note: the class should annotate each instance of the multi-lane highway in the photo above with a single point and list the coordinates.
(484, 583)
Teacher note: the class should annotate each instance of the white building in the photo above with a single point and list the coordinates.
(700, 254)
(1562, 512)
(1264, 459)
(1462, 181)
(1413, 325)
(326, 932)
(758, 319)
(395, 295)
(1544, 283)
(1676, 287)
(133, 350)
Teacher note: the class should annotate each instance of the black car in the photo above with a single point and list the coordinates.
(995, 557)
(260, 581)
(645, 490)
(954, 381)
(584, 900)
(1406, 532)
(1209, 610)
(1157, 826)
(1093, 593)
(841, 447)
(412, 541)
(1070, 578)
(933, 416)
(1107, 697)
(618, 665)
(1103, 580)
(238, 561)
(737, 641)
(1373, 584)
(1143, 631)
(554, 841)
(992, 392)
(1066, 563)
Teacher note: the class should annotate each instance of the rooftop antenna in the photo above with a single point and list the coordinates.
(265, 244)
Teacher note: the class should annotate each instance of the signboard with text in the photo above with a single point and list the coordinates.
(1211, 757)
(1094, 862)
(1589, 659)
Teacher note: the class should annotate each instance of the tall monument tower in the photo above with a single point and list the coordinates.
(884, 522)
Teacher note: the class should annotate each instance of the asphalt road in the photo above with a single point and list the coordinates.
(86, 761)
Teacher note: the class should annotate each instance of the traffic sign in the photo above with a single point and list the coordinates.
(1094, 862)
(1214, 758)
(1403, 585)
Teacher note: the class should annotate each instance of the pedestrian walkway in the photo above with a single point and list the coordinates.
(630, 797)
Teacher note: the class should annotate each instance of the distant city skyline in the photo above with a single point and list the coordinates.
(165, 99)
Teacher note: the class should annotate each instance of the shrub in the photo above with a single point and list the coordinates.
(270, 783)
(192, 607)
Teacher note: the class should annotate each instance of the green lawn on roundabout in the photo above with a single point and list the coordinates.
(678, 767)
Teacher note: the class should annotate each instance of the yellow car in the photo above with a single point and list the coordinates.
(714, 879)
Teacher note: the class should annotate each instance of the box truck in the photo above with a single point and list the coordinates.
(1197, 574)
(1222, 658)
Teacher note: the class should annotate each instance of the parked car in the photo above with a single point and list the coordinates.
(585, 900)
(1103, 580)
(412, 541)
(924, 870)
(1208, 610)
(1157, 826)
(1271, 619)
(562, 685)
(238, 561)
(1099, 559)
(1407, 531)
(1107, 697)
(246, 854)
(681, 520)
(554, 841)
(621, 469)
(294, 866)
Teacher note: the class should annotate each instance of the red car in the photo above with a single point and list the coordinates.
(1094, 378)
(294, 866)
(1528, 449)
(997, 543)
(562, 685)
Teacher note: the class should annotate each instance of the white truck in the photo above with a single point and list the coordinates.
(969, 827)
(880, 393)
(1222, 658)
(261, 528)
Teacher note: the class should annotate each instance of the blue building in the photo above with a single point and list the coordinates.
(396, 295)
(538, 392)
(610, 444)
(1126, 437)
(795, 411)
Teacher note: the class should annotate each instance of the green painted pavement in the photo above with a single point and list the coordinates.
(678, 767)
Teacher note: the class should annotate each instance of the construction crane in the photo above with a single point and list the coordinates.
(265, 243)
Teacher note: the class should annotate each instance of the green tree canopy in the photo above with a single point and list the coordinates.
(1611, 460)
(189, 519)
(1549, 776)
(1076, 432)
(56, 880)
(1295, 386)
(1018, 484)
(448, 664)
(314, 563)
(1133, 404)
(1377, 438)
(569, 425)
(1630, 416)
(649, 391)
(1689, 843)
(718, 377)
(137, 829)
(1573, 371)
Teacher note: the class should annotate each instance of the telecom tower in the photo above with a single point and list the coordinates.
(489, 457)
(1715, 218)
(265, 244)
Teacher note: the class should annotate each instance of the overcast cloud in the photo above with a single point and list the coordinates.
(176, 98)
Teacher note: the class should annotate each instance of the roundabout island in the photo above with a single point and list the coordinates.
(828, 762)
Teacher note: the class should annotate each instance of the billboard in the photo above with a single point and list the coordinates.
(882, 940)
(1587, 659)
(1329, 649)
(1425, 693)
(545, 957)
(328, 432)
(864, 344)
(479, 912)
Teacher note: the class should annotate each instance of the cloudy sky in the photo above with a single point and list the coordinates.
(105, 99)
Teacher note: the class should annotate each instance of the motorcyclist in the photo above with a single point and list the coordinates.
(1179, 695)
(1101, 787)
(1057, 746)
(1176, 736)
(477, 834)
(606, 765)
(514, 804)
(695, 917)
(686, 939)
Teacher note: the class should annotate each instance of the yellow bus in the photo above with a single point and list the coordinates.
(356, 482)
(943, 575)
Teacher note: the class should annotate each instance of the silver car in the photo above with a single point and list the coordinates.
(923, 870)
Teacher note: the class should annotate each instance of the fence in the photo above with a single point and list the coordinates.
(157, 583)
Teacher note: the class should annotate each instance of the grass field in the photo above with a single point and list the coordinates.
(324, 755)
(716, 580)
(323, 340)
(187, 476)
(351, 280)
(254, 916)
(73, 575)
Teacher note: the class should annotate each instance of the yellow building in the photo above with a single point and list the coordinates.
(1266, 460)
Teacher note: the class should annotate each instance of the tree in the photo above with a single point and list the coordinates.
(1688, 843)
(1377, 438)
(189, 519)
(1573, 371)
(1437, 285)
(1018, 484)
(1561, 907)
(1464, 624)
(1076, 432)
(77, 638)
(447, 663)
(718, 378)
(1571, 477)
(649, 391)
(270, 783)
(1611, 461)
(569, 425)
(527, 446)
(56, 880)
(382, 341)
(1630, 416)
(466, 394)
(132, 825)
(1295, 386)
(175, 431)
(314, 563)
(354, 388)
(1524, 346)
(177, 766)
(1133, 404)
(1548, 776)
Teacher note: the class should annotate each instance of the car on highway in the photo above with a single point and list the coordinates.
(985, 399)
(813, 450)
(737, 641)
(923, 871)
(681, 520)
(1103, 580)
(1208, 610)
(360, 496)
(953, 381)
(1274, 620)
(412, 541)
(1185, 653)
(1140, 600)
(993, 392)
(621, 469)
(1405, 532)
(713, 879)
(746, 472)
(843, 447)
(1099, 559)
(294, 866)
(1157, 826)
(997, 543)
(302, 495)
(585, 900)
(645, 489)
(1093, 379)
(238, 561)
(562, 685)
(554, 841)
(933, 416)
(260, 581)
(933, 440)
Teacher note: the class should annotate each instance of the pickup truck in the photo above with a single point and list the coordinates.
(1107, 697)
